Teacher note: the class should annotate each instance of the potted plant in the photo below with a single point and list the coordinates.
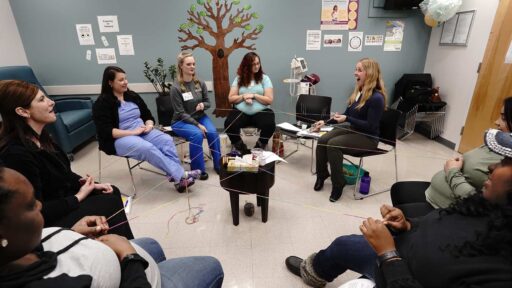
(158, 75)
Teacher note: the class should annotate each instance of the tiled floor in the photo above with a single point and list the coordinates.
(300, 220)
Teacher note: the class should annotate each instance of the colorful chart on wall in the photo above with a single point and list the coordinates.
(339, 14)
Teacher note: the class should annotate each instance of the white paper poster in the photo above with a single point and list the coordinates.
(333, 40)
(106, 55)
(339, 14)
(373, 40)
(394, 35)
(84, 32)
(313, 39)
(108, 23)
(355, 41)
(125, 44)
(508, 57)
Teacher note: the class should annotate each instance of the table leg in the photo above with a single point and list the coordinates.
(233, 198)
(264, 206)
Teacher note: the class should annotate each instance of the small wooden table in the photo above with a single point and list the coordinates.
(258, 183)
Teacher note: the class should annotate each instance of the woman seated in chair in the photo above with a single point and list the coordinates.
(189, 98)
(125, 128)
(251, 95)
(462, 176)
(31, 256)
(26, 147)
(365, 108)
(468, 244)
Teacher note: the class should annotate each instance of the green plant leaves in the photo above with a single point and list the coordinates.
(247, 7)
(259, 27)
(200, 2)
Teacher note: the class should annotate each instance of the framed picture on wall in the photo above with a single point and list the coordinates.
(456, 30)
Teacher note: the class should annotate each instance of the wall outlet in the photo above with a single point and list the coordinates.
(209, 85)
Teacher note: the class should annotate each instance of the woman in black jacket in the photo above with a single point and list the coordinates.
(26, 147)
(125, 128)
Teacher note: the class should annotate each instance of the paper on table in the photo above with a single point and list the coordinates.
(288, 126)
(326, 128)
(308, 134)
(267, 157)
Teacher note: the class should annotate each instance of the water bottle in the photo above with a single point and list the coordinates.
(364, 187)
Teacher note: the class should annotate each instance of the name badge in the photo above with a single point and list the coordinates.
(187, 96)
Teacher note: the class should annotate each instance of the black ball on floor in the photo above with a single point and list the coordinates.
(249, 209)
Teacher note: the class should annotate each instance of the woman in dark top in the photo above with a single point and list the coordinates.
(365, 108)
(125, 128)
(468, 244)
(26, 147)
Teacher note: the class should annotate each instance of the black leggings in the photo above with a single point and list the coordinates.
(263, 120)
(100, 204)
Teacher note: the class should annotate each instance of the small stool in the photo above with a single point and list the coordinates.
(258, 183)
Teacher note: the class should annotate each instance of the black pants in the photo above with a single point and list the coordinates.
(409, 196)
(331, 147)
(263, 120)
(100, 204)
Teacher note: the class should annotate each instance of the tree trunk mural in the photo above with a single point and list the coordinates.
(201, 17)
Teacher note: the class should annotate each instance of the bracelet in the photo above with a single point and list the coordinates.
(386, 256)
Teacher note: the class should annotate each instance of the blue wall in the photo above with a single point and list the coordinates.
(47, 29)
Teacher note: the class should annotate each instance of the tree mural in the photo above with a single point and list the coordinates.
(225, 20)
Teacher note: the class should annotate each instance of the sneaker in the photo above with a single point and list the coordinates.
(184, 184)
(195, 174)
(204, 176)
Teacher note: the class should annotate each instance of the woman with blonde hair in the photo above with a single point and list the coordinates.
(189, 98)
(365, 108)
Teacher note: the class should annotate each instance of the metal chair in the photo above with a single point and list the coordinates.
(388, 135)
(308, 110)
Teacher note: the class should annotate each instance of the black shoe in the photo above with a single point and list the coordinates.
(217, 170)
(203, 176)
(293, 264)
(319, 183)
(261, 146)
(335, 194)
(242, 148)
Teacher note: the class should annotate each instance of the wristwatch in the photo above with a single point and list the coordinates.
(135, 257)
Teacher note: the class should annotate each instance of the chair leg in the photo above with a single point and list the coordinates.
(361, 196)
(358, 195)
(99, 165)
(312, 155)
(131, 177)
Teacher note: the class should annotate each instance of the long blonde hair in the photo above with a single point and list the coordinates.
(179, 62)
(372, 82)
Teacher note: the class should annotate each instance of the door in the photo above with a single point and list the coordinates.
(494, 81)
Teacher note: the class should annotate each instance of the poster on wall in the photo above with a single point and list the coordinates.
(339, 14)
(355, 41)
(313, 39)
(373, 40)
(394, 35)
(84, 32)
(333, 40)
(108, 23)
(125, 44)
(106, 55)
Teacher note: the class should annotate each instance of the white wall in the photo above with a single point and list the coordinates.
(454, 68)
(11, 47)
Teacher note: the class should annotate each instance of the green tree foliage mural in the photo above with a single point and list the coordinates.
(219, 18)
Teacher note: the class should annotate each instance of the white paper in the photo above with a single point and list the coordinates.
(125, 43)
(508, 57)
(108, 23)
(289, 127)
(88, 55)
(307, 133)
(394, 36)
(355, 41)
(267, 157)
(84, 32)
(106, 55)
(313, 39)
(333, 40)
(373, 40)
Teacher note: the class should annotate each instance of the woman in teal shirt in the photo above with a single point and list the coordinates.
(251, 94)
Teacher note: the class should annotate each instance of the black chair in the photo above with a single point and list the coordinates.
(388, 132)
(308, 110)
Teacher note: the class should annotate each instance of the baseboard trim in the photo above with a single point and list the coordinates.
(445, 142)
